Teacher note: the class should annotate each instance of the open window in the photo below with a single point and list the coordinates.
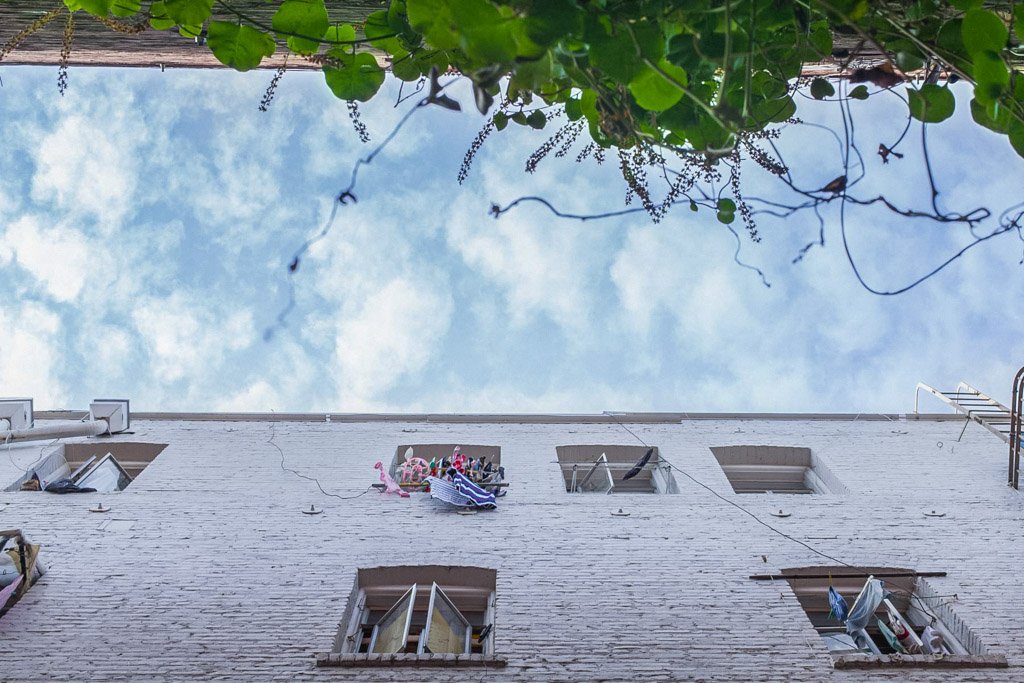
(775, 469)
(414, 614)
(876, 616)
(603, 468)
(20, 567)
(100, 466)
(413, 463)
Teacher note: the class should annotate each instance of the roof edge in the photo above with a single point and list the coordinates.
(510, 418)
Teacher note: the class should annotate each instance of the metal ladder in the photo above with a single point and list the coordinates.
(974, 405)
(987, 412)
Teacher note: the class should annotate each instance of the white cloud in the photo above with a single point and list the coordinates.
(83, 170)
(60, 257)
(259, 396)
(187, 336)
(394, 334)
(31, 357)
(540, 266)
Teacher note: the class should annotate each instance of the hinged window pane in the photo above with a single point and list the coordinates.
(391, 633)
(598, 479)
(446, 629)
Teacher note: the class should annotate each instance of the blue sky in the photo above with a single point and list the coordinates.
(147, 220)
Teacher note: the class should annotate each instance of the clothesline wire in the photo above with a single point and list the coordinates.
(765, 524)
(273, 436)
(42, 449)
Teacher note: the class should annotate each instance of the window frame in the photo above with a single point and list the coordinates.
(922, 609)
(424, 637)
(471, 592)
(410, 597)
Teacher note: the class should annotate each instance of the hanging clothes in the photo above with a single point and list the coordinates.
(477, 495)
(838, 609)
(867, 602)
(639, 466)
(890, 637)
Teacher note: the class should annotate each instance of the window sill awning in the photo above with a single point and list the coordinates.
(350, 660)
(853, 661)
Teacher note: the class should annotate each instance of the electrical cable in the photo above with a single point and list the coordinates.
(768, 526)
(273, 435)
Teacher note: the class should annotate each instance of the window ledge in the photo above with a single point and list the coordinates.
(340, 659)
(918, 661)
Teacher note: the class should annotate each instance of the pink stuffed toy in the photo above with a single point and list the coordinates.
(459, 460)
(389, 484)
(414, 470)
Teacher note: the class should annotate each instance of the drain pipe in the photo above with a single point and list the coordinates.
(106, 416)
(58, 430)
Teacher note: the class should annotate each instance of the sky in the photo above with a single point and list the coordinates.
(147, 220)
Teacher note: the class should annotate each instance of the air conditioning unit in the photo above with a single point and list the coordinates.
(15, 413)
(112, 410)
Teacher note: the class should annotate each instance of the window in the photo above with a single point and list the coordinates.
(19, 567)
(600, 469)
(418, 615)
(102, 466)
(775, 469)
(486, 461)
(893, 617)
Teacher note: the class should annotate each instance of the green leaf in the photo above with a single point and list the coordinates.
(405, 68)
(189, 12)
(984, 31)
(573, 110)
(991, 76)
(158, 18)
(821, 88)
(726, 205)
(908, 61)
(932, 103)
(726, 217)
(99, 8)
(615, 54)
(1017, 138)
(357, 77)
(859, 93)
(500, 120)
(549, 20)
(240, 47)
(379, 31)
(693, 206)
(821, 41)
(1018, 21)
(653, 91)
(125, 8)
(306, 18)
(773, 111)
(520, 118)
(536, 119)
(1000, 123)
(339, 33)
(964, 5)
(474, 26)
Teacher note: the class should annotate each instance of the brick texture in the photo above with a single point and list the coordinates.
(221, 577)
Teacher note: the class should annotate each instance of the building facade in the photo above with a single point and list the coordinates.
(209, 567)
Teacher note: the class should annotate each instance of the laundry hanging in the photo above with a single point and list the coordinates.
(837, 605)
(639, 466)
(867, 602)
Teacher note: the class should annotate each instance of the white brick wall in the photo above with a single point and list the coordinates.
(222, 578)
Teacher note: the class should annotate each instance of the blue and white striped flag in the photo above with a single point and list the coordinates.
(474, 493)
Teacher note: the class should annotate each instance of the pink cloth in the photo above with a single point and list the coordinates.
(7, 593)
(389, 484)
